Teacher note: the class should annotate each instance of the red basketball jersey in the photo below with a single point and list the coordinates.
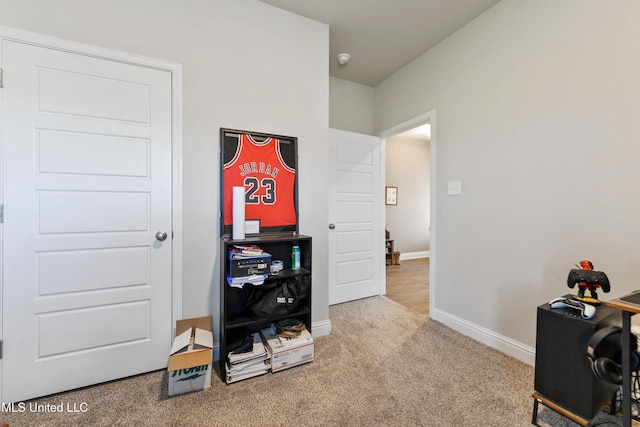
(269, 183)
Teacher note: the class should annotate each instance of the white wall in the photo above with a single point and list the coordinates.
(350, 106)
(237, 73)
(537, 108)
(407, 167)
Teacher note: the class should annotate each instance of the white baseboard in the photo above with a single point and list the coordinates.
(494, 340)
(320, 329)
(415, 255)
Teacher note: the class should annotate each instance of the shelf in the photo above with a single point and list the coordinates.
(236, 321)
(265, 239)
(286, 273)
(241, 322)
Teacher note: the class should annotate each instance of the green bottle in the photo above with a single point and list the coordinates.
(295, 257)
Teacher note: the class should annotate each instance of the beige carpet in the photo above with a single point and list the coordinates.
(382, 365)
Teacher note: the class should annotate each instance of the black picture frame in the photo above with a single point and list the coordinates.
(288, 148)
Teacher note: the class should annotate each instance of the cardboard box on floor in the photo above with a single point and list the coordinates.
(190, 361)
(289, 353)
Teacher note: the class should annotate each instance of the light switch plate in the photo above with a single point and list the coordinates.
(454, 188)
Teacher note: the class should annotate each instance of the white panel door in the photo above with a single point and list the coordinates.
(356, 239)
(86, 187)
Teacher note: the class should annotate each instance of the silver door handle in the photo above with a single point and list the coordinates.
(332, 226)
(161, 236)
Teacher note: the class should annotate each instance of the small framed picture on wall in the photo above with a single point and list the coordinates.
(392, 196)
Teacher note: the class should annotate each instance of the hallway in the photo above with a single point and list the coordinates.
(408, 284)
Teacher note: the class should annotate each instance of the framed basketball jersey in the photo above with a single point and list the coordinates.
(266, 166)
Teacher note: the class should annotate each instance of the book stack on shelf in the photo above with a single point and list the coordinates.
(247, 364)
(248, 264)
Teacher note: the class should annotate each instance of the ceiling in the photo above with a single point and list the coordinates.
(382, 36)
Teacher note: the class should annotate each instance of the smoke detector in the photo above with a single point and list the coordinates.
(343, 58)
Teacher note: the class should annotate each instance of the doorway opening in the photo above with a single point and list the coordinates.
(408, 219)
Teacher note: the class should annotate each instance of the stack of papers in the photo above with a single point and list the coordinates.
(250, 363)
(247, 249)
(241, 254)
(254, 279)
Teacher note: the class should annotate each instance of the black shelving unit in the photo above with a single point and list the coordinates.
(235, 319)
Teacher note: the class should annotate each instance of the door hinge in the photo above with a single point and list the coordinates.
(1, 80)
(1, 214)
(1, 349)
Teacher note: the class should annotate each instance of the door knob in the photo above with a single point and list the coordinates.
(332, 226)
(161, 236)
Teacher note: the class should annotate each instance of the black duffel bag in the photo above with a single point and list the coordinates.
(276, 299)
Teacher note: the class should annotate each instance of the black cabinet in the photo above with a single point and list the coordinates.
(563, 372)
(236, 320)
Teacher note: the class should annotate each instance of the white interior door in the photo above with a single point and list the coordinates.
(86, 185)
(356, 238)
